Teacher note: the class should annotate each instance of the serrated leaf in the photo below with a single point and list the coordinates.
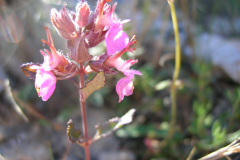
(95, 84)
(28, 71)
(73, 134)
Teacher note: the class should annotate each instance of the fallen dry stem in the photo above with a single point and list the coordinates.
(36, 114)
(234, 147)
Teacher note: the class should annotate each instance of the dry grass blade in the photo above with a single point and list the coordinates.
(234, 147)
(191, 153)
(65, 155)
(9, 96)
(30, 109)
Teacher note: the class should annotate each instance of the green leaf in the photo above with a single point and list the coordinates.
(43, 122)
(163, 85)
(216, 128)
(73, 134)
(95, 84)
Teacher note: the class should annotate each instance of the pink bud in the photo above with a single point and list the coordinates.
(105, 15)
(82, 14)
(63, 22)
(52, 59)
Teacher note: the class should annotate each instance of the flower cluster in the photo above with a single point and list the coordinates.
(83, 30)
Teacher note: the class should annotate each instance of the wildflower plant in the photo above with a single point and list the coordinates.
(82, 30)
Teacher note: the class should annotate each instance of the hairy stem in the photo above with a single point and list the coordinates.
(177, 69)
(84, 115)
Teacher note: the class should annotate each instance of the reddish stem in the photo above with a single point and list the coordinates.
(84, 115)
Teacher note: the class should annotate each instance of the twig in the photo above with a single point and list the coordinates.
(234, 147)
(191, 153)
(66, 152)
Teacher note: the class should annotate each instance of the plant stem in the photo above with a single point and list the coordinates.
(177, 69)
(84, 115)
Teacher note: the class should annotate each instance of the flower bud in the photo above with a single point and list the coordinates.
(82, 14)
(63, 23)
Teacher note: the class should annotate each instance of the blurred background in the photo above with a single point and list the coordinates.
(208, 96)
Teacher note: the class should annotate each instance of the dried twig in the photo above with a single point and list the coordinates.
(234, 147)
(191, 153)
(125, 119)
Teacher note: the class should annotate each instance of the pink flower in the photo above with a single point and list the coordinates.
(45, 80)
(124, 88)
(125, 85)
(116, 38)
(52, 59)
(45, 83)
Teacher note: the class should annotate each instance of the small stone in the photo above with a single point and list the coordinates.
(121, 155)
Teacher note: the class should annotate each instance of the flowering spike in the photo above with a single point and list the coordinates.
(82, 31)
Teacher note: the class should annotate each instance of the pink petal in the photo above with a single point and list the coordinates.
(131, 72)
(125, 21)
(45, 84)
(127, 64)
(124, 88)
(116, 39)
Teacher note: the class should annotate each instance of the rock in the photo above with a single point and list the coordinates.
(121, 155)
(22, 144)
(221, 52)
(222, 26)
